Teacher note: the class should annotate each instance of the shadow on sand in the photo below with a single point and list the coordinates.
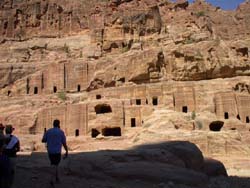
(168, 164)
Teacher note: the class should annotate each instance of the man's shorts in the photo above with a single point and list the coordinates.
(55, 158)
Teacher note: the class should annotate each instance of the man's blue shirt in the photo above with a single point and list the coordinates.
(54, 138)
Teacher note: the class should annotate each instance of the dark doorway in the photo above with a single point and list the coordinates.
(27, 86)
(116, 131)
(238, 117)
(94, 133)
(247, 119)
(44, 130)
(226, 115)
(35, 90)
(185, 109)
(138, 101)
(78, 88)
(98, 96)
(55, 89)
(9, 93)
(216, 126)
(155, 101)
(133, 122)
(77, 133)
(146, 101)
(102, 109)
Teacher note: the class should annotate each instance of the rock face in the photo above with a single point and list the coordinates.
(180, 163)
(107, 68)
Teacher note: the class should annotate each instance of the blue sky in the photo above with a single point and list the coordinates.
(224, 4)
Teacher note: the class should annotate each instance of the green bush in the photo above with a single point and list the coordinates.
(199, 125)
(200, 14)
(189, 41)
(193, 116)
(62, 95)
(125, 49)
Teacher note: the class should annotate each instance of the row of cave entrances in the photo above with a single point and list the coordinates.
(116, 131)
(226, 116)
(54, 90)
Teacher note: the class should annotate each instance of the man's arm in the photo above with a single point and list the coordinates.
(64, 143)
(66, 149)
(18, 146)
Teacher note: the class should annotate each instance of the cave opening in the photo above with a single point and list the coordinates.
(226, 115)
(35, 90)
(185, 109)
(133, 122)
(77, 132)
(216, 126)
(138, 101)
(98, 96)
(103, 108)
(94, 133)
(55, 89)
(155, 101)
(116, 131)
(78, 88)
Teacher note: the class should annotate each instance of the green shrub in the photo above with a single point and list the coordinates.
(189, 41)
(125, 49)
(200, 14)
(66, 48)
(193, 116)
(199, 125)
(62, 95)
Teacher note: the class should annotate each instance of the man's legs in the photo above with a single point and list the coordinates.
(55, 160)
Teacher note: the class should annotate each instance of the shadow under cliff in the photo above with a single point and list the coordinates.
(168, 164)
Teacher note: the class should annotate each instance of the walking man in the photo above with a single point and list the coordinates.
(12, 146)
(55, 139)
(5, 167)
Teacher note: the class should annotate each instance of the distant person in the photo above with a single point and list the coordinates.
(5, 167)
(2, 131)
(55, 139)
(12, 146)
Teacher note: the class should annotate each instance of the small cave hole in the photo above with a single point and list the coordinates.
(77, 132)
(122, 80)
(247, 119)
(35, 90)
(98, 96)
(9, 93)
(155, 101)
(138, 101)
(55, 89)
(78, 88)
(226, 115)
(133, 122)
(185, 109)
(238, 117)
(94, 133)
